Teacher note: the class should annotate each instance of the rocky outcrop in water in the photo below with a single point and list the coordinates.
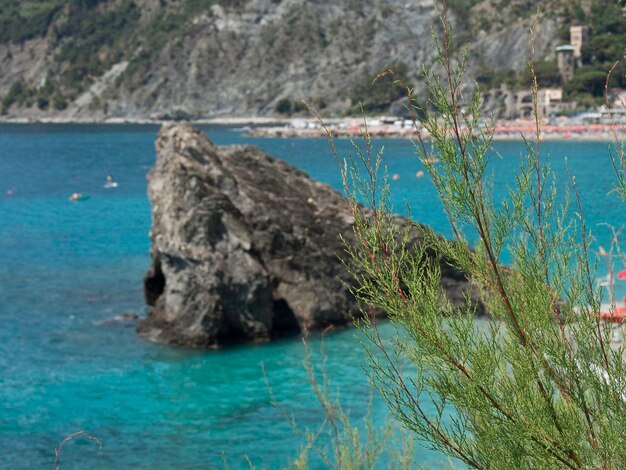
(244, 246)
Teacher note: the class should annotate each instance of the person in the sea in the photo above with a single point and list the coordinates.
(109, 182)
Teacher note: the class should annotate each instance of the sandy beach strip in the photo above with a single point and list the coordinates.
(350, 128)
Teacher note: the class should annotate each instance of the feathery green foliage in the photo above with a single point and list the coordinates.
(542, 386)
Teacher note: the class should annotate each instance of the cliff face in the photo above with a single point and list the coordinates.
(163, 58)
(244, 247)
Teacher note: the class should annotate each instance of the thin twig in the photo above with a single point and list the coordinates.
(57, 451)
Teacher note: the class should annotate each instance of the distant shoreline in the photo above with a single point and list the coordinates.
(272, 127)
(565, 135)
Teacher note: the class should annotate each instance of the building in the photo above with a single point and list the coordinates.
(617, 98)
(549, 101)
(578, 37)
(610, 116)
(566, 61)
(514, 103)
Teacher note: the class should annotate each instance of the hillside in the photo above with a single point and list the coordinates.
(93, 59)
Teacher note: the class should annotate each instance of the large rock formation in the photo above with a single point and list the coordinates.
(244, 246)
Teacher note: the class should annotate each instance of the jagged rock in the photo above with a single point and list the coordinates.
(244, 246)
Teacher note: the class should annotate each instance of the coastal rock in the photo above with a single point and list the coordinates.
(244, 247)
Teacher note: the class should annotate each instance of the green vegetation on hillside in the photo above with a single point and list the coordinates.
(26, 19)
(289, 107)
(93, 41)
(377, 92)
(605, 45)
(546, 71)
(48, 96)
(91, 36)
(85, 38)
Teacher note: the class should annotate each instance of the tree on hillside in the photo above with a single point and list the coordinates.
(377, 92)
(587, 80)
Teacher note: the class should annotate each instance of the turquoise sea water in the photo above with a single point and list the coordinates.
(65, 267)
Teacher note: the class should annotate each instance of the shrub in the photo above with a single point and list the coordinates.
(58, 101)
(287, 106)
(541, 386)
(42, 102)
(283, 106)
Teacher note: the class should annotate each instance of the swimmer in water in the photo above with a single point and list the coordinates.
(109, 182)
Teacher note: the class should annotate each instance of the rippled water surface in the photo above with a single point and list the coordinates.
(65, 267)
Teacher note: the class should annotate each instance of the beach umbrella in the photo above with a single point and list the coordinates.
(622, 275)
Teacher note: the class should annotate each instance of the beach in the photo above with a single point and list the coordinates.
(561, 128)
(516, 129)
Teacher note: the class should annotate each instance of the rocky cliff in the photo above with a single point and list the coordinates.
(159, 59)
(244, 246)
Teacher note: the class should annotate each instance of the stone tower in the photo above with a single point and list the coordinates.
(566, 61)
(578, 37)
